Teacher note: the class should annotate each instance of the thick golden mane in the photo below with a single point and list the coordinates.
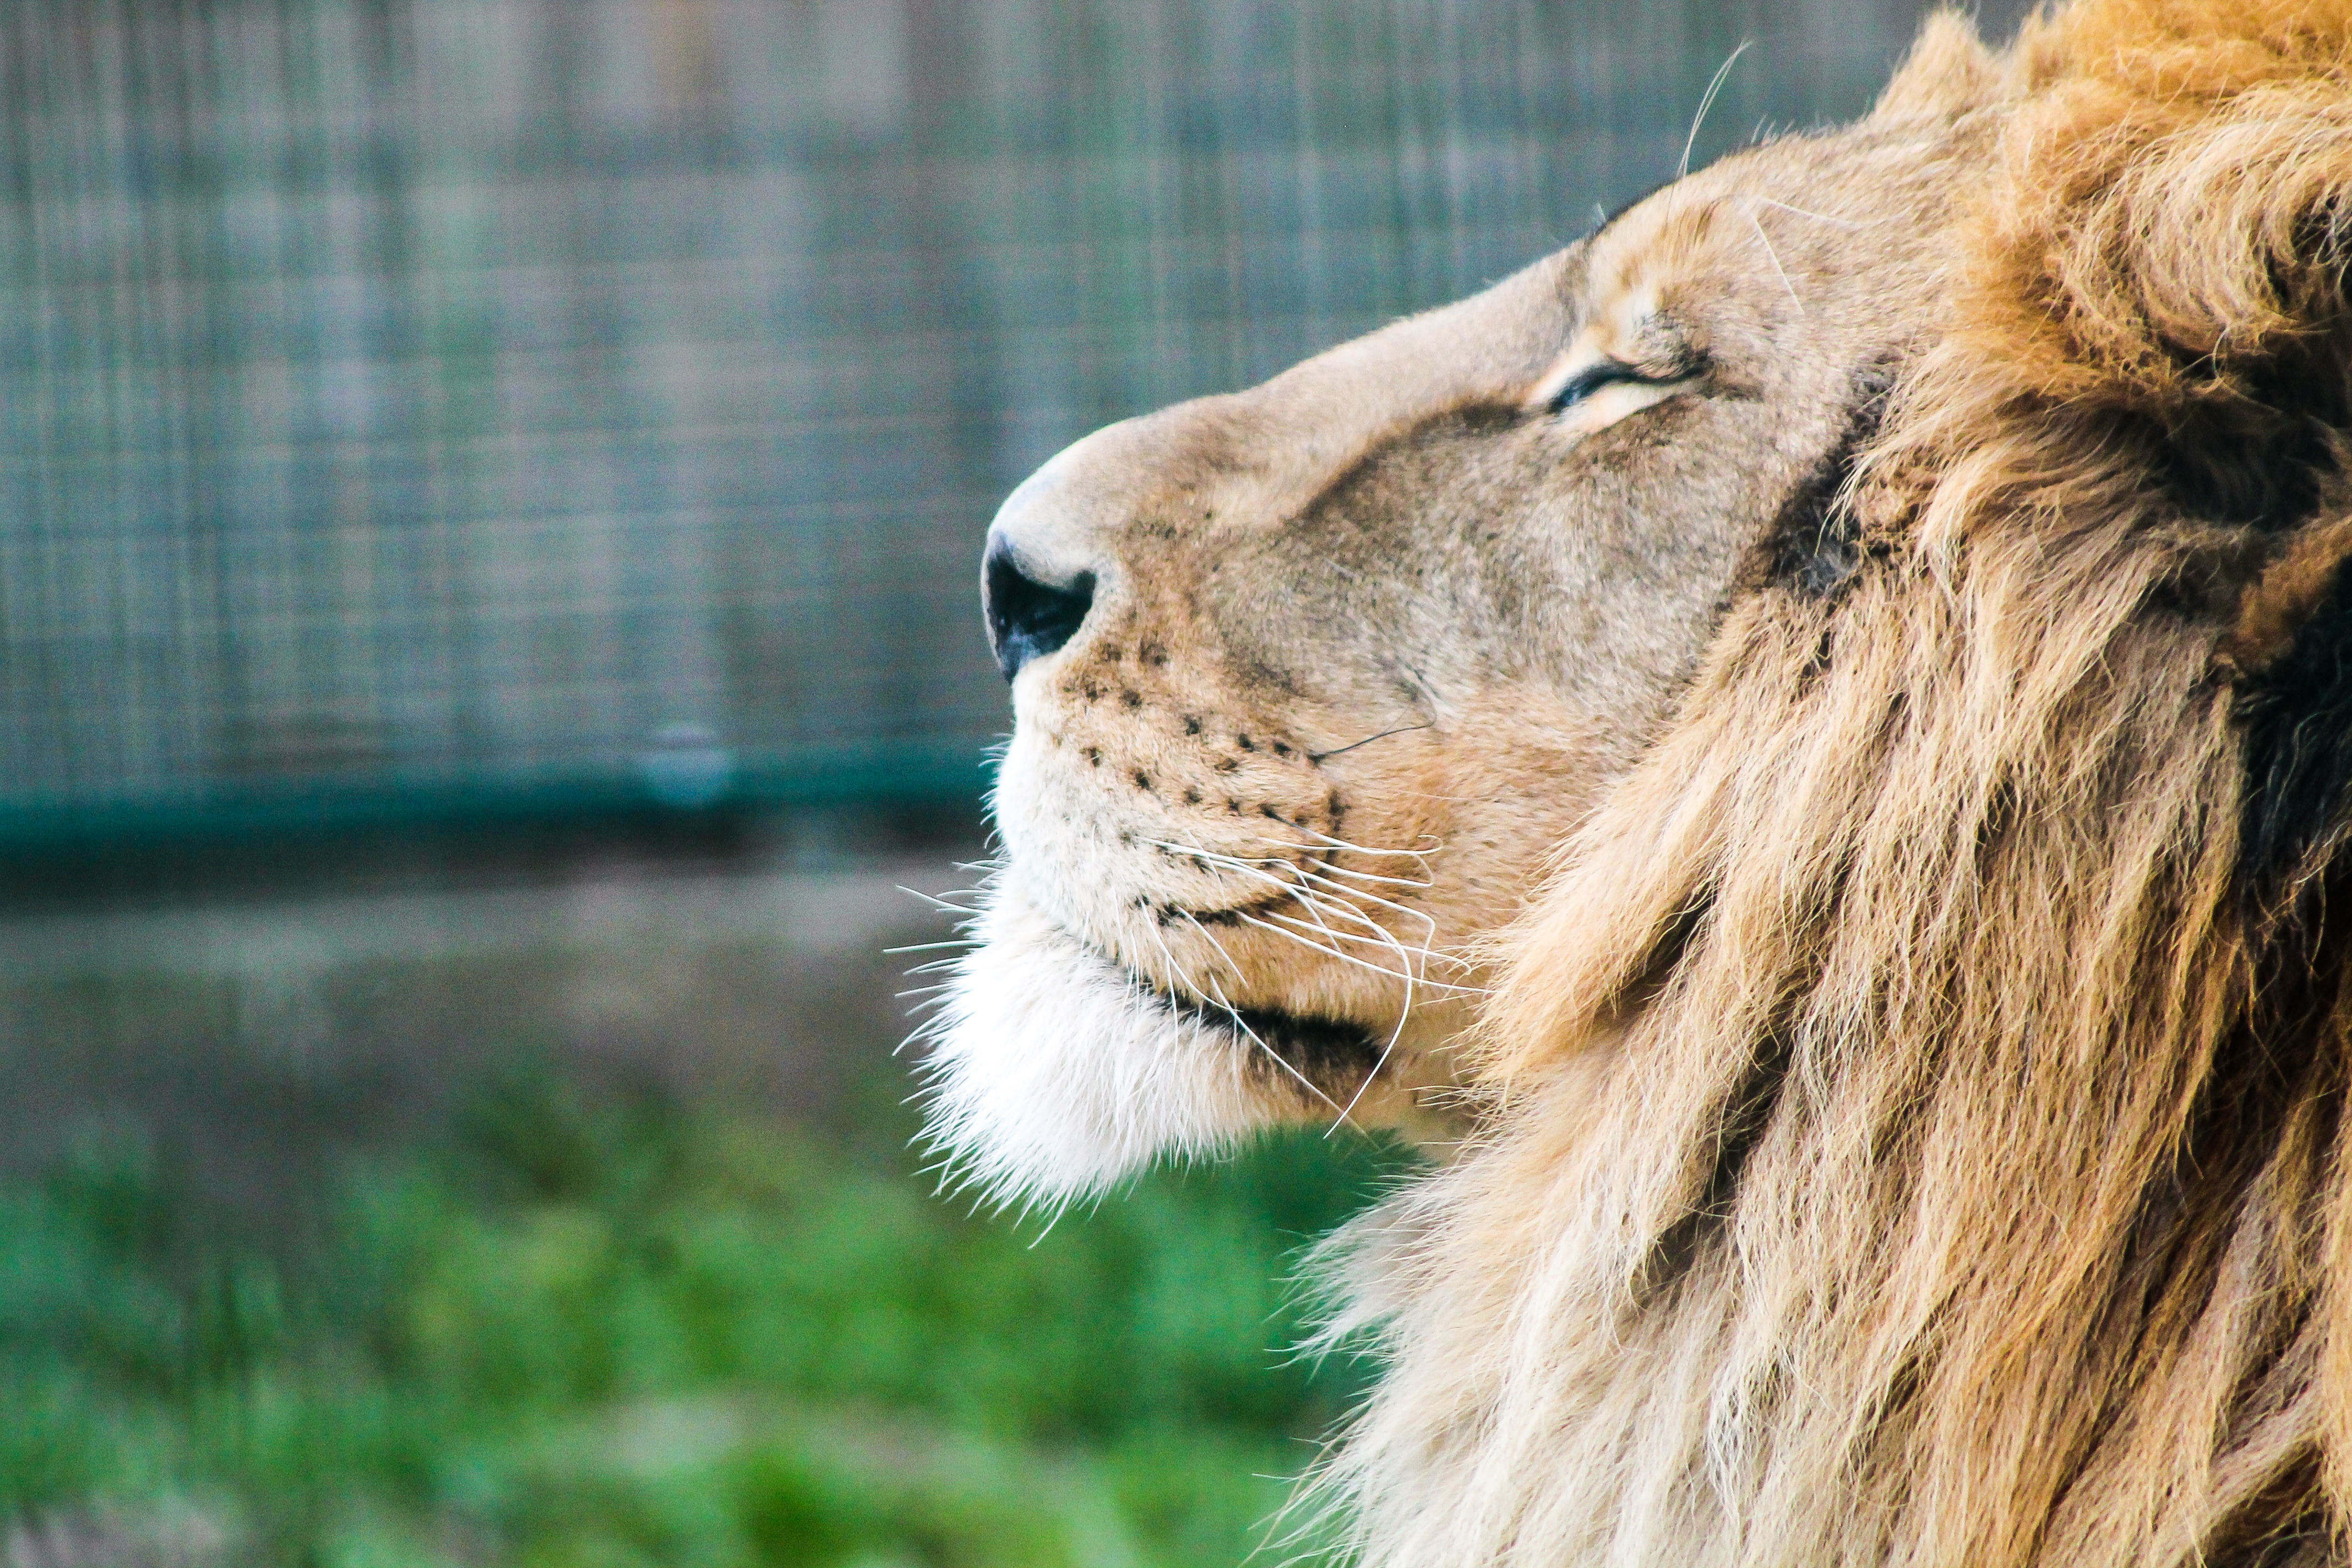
(1915, 1128)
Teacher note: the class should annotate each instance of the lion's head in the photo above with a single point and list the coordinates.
(1807, 735)
(1310, 681)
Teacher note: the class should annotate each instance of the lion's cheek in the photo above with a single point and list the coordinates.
(1050, 1076)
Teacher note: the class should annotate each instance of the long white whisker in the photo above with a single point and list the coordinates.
(1395, 1035)
(1403, 976)
(1372, 877)
(1248, 867)
(1337, 900)
(1414, 884)
(1302, 891)
(1404, 1013)
(1303, 895)
(1800, 211)
(941, 903)
(1387, 942)
(1242, 1024)
(1288, 863)
(1766, 240)
(1345, 904)
(1423, 854)
(1311, 944)
(1175, 968)
(1407, 910)
(1318, 905)
(1707, 102)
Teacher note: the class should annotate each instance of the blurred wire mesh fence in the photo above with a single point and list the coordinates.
(443, 404)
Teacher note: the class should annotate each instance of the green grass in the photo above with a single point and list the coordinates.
(605, 1333)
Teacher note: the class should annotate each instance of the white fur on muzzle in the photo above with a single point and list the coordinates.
(1051, 1072)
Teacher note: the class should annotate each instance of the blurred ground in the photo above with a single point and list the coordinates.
(259, 1031)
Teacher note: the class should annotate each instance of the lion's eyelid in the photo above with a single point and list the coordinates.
(1594, 378)
(1584, 383)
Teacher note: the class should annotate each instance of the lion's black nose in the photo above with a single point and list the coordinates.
(1028, 618)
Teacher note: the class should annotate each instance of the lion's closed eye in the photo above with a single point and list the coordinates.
(1596, 393)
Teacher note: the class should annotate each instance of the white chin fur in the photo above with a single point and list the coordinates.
(1051, 1076)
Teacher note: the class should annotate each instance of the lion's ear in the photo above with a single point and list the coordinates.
(1948, 72)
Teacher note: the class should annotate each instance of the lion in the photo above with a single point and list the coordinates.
(1804, 746)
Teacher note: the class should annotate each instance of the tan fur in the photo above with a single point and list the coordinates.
(1994, 1287)
(1906, 1125)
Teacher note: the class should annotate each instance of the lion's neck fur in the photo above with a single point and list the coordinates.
(1938, 1207)
(1911, 1140)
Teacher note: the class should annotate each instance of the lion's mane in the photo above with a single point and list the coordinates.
(1917, 1126)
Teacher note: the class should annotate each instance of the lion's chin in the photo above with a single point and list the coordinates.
(1052, 1073)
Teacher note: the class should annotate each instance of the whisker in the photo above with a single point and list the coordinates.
(1404, 1012)
(1317, 904)
(1387, 942)
(1800, 211)
(1405, 1004)
(1424, 916)
(1322, 837)
(1302, 891)
(1707, 102)
(941, 903)
(1231, 861)
(1336, 936)
(1343, 871)
(1399, 730)
(1336, 899)
(1403, 976)
(1177, 969)
(1242, 1024)
(1416, 883)
(1766, 240)
(1388, 1050)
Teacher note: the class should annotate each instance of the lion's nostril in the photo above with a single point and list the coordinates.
(1029, 618)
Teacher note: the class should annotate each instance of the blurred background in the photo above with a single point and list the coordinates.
(490, 493)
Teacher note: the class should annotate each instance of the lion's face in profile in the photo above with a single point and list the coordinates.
(1811, 734)
(1310, 681)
